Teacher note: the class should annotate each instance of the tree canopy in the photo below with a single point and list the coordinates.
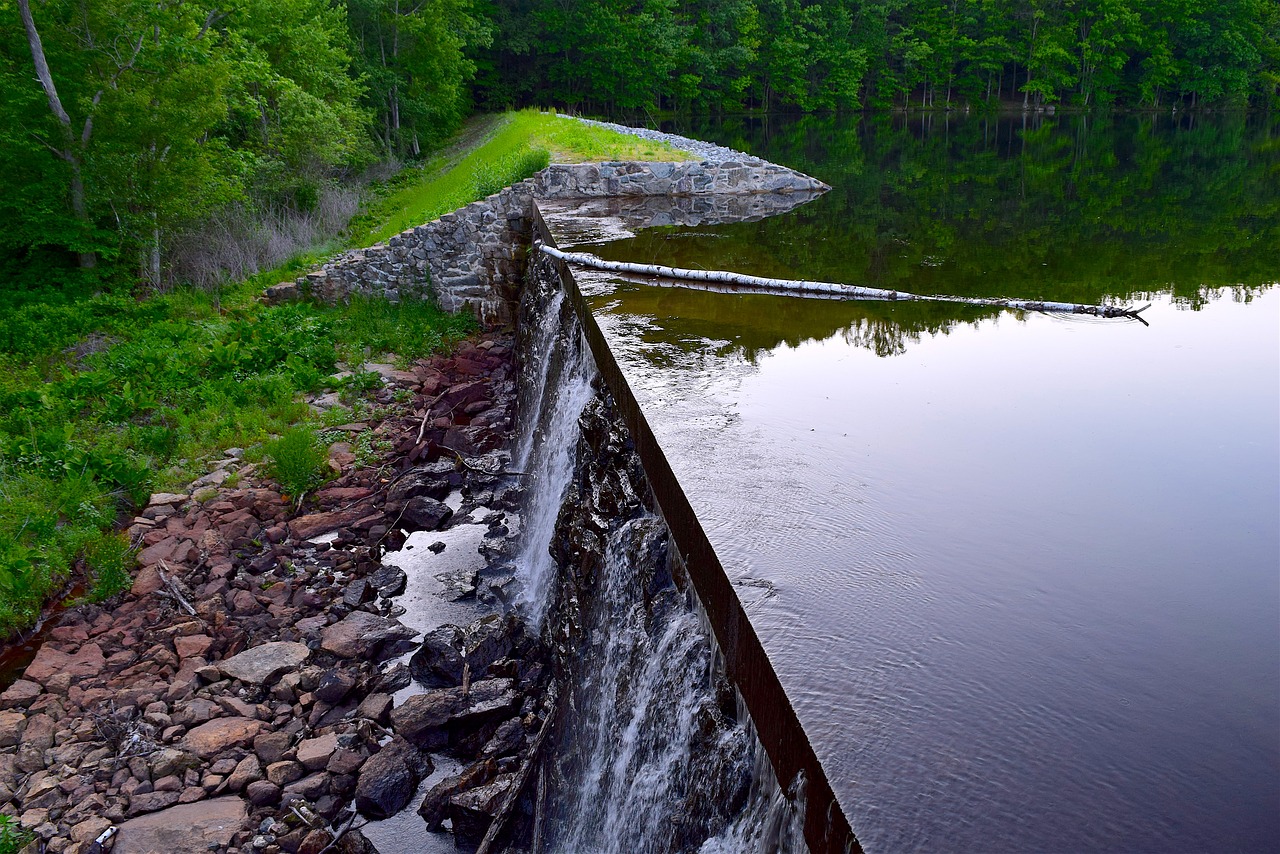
(125, 124)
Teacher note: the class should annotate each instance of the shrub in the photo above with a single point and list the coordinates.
(12, 837)
(108, 560)
(297, 460)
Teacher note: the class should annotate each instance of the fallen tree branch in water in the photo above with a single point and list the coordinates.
(829, 290)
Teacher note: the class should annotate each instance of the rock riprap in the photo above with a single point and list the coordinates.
(247, 725)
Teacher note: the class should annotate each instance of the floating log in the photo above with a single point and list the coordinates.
(829, 290)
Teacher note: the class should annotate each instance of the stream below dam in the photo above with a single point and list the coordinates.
(1017, 573)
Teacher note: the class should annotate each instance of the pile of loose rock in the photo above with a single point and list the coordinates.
(239, 698)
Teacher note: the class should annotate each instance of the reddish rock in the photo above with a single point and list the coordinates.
(162, 550)
(50, 662)
(306, 527)
(314, 753)
(19, 695)
(264, 664)
(360, 635)
(192, 645)
(262, 793)
(11, 726)
(151, 801)
(285, 772)
(210, 739)
(342, 495)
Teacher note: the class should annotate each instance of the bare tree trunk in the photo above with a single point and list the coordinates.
(70, 151)
(829, 290)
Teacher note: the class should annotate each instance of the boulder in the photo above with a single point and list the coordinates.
(487, 640)
(168, 761)
(145, 802)
(335, 685)
(262, 793)
(438, 662)
(435, 805)
(434, 719)
(191, 646)
(11, 726)
(315, 524)
(390, 778)
(362, 635)
(247, 770)
(188, 827)
(20, 694)
(389, 581)
(473, 811)
(420, 481)
(50, 662)
(265, 663)
(314, 753)
(210, 739)
(424, 514)
(375, 707)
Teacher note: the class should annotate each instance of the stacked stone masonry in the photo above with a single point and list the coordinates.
(474, 257)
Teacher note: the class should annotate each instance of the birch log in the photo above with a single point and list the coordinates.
(829, 290)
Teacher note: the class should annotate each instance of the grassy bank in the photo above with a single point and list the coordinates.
(107, 396)
(508, 149)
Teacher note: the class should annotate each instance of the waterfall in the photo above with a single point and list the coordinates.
(647, 764)
(653, 750)
(558, 376)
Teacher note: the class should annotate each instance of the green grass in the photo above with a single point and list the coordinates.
(105, 398)
(514, 147)
(298, 461)
(176, 380)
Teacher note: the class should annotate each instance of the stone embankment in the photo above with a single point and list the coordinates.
(474, 256)
(240, 698)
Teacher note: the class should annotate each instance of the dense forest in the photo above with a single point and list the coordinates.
(133, 130)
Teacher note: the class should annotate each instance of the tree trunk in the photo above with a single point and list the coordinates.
(829, 290)
(70, 151)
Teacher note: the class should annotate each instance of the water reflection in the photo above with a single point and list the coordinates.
(1023, 567)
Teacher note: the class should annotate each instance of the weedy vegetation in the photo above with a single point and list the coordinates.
(107, 395)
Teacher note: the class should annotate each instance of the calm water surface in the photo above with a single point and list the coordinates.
(1019, 573)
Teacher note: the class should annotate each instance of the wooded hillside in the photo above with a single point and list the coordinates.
(132, 131)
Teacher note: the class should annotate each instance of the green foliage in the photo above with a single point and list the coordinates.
(631, 56)
(108, 560)
(493, 176)
(297, 461)
(514, 147)
(12, 837)
(88, 431)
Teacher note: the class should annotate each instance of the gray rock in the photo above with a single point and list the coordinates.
(189, 827)
(362, 635)
(472, 811)
(438, 662)
(264, 664)
(390, 778)
(389, 581)
(432, 719)
(334, 686)
(424, 514)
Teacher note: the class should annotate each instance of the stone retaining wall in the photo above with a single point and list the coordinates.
(473, 257)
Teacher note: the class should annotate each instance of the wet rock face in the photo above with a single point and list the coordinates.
(632, 660)
(390, 778)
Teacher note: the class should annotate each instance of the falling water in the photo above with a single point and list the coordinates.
(647, 763)
(655, 752)
(561, 374)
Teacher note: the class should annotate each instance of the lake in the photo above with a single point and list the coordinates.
(1019, 573)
